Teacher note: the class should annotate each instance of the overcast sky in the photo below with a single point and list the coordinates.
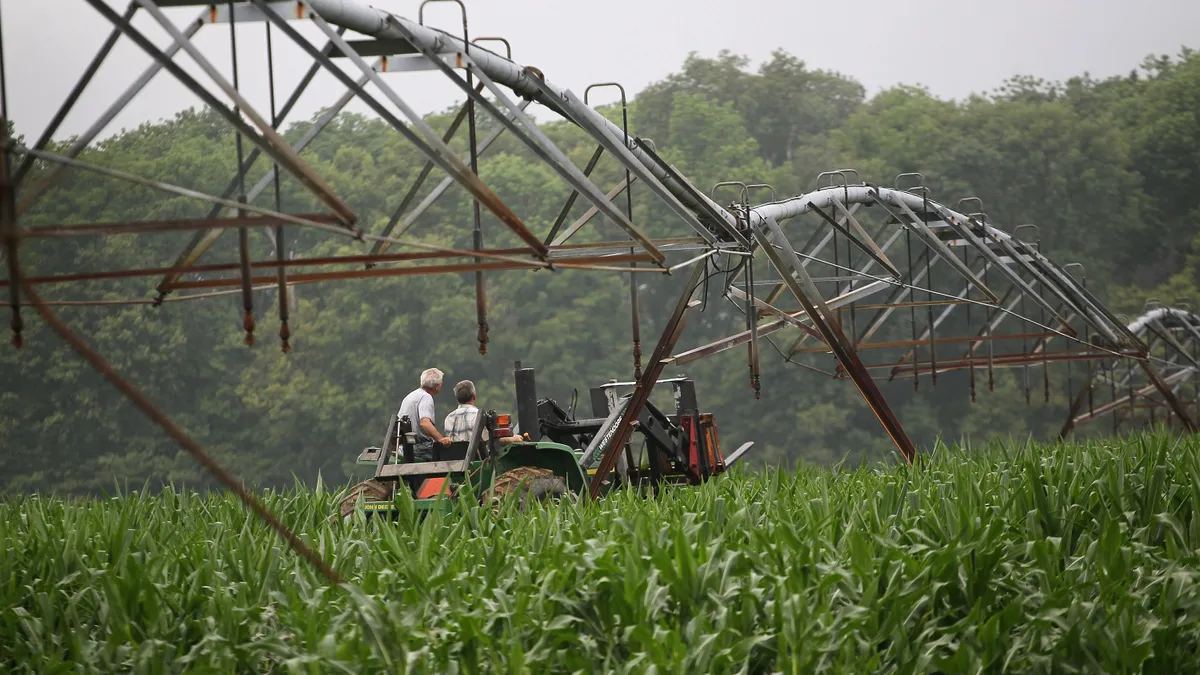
(954, 47)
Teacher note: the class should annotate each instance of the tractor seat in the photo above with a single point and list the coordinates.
(456, 450)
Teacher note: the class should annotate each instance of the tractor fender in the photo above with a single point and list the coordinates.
(555, 457)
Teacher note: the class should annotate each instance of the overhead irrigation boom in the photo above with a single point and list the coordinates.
(870, 282)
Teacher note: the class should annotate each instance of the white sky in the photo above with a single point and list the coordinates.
(954, 47)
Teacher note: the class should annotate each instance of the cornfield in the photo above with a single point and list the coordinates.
(1015, 558)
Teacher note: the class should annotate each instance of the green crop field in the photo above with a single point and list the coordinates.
(1057, 558)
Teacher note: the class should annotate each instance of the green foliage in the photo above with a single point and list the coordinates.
(1017, 558)
(1102, 167)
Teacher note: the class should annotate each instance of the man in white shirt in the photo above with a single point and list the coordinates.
(461, 422)
(418, 406)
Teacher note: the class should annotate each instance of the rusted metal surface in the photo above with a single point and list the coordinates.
(566, 208)
(165, 226)
(428, 141)
(1167, 360)
(142, 301)
(641, 393)
(572, 249)
(232, 483)
(268, 140)
(1006, 360)
(941, 341)
(384, 272)
(10, 239)
(418, 182)
(802, 287)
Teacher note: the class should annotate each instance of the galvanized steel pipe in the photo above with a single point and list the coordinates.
(375, 22)
(1138, 325)
(368, 20)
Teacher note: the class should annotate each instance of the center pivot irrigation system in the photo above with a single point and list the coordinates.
(852, 280)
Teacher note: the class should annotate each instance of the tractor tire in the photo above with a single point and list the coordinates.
(370, 489)
(529, 484)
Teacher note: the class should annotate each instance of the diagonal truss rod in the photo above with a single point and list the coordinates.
(32, 193)
(529, 83)
(424, 138)
(218, 472)
(269, 140)
(423, 175)
(918, 227)
(401, 225)
(771, 327)
(860, 238)
(566, 208)
(292, 219)
(877, 321)
(811, 249)
(203, 241)
(524, 129)
(641, 393)
(575, 110)
(805, 291)
(521, 126)
(591, 213)
(73, 97)
(989, 255)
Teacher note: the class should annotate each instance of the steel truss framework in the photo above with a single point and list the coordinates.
(853, 280)
(1117, 390)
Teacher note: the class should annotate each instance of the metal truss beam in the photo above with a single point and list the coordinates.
(424, 138)
(268, 140)
(805, 291)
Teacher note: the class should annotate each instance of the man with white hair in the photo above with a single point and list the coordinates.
(418, 406)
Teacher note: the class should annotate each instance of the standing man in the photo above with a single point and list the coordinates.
(418, 405)
(461, 422)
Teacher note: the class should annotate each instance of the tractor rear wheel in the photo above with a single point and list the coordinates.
(530, 484)
(369, 489)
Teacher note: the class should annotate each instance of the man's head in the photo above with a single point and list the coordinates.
(464, 392)
(431, 380)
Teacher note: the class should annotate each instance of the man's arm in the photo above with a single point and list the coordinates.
(431, 431)
(425, 411)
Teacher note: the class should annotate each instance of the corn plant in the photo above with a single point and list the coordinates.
(1014, 558)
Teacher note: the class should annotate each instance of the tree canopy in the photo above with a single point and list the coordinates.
(1106, 168)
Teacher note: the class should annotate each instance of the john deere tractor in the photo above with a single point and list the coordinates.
(559, 457)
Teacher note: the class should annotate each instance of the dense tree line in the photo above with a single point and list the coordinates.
(1107, 168)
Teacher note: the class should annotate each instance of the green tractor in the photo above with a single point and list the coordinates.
(560, 457)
